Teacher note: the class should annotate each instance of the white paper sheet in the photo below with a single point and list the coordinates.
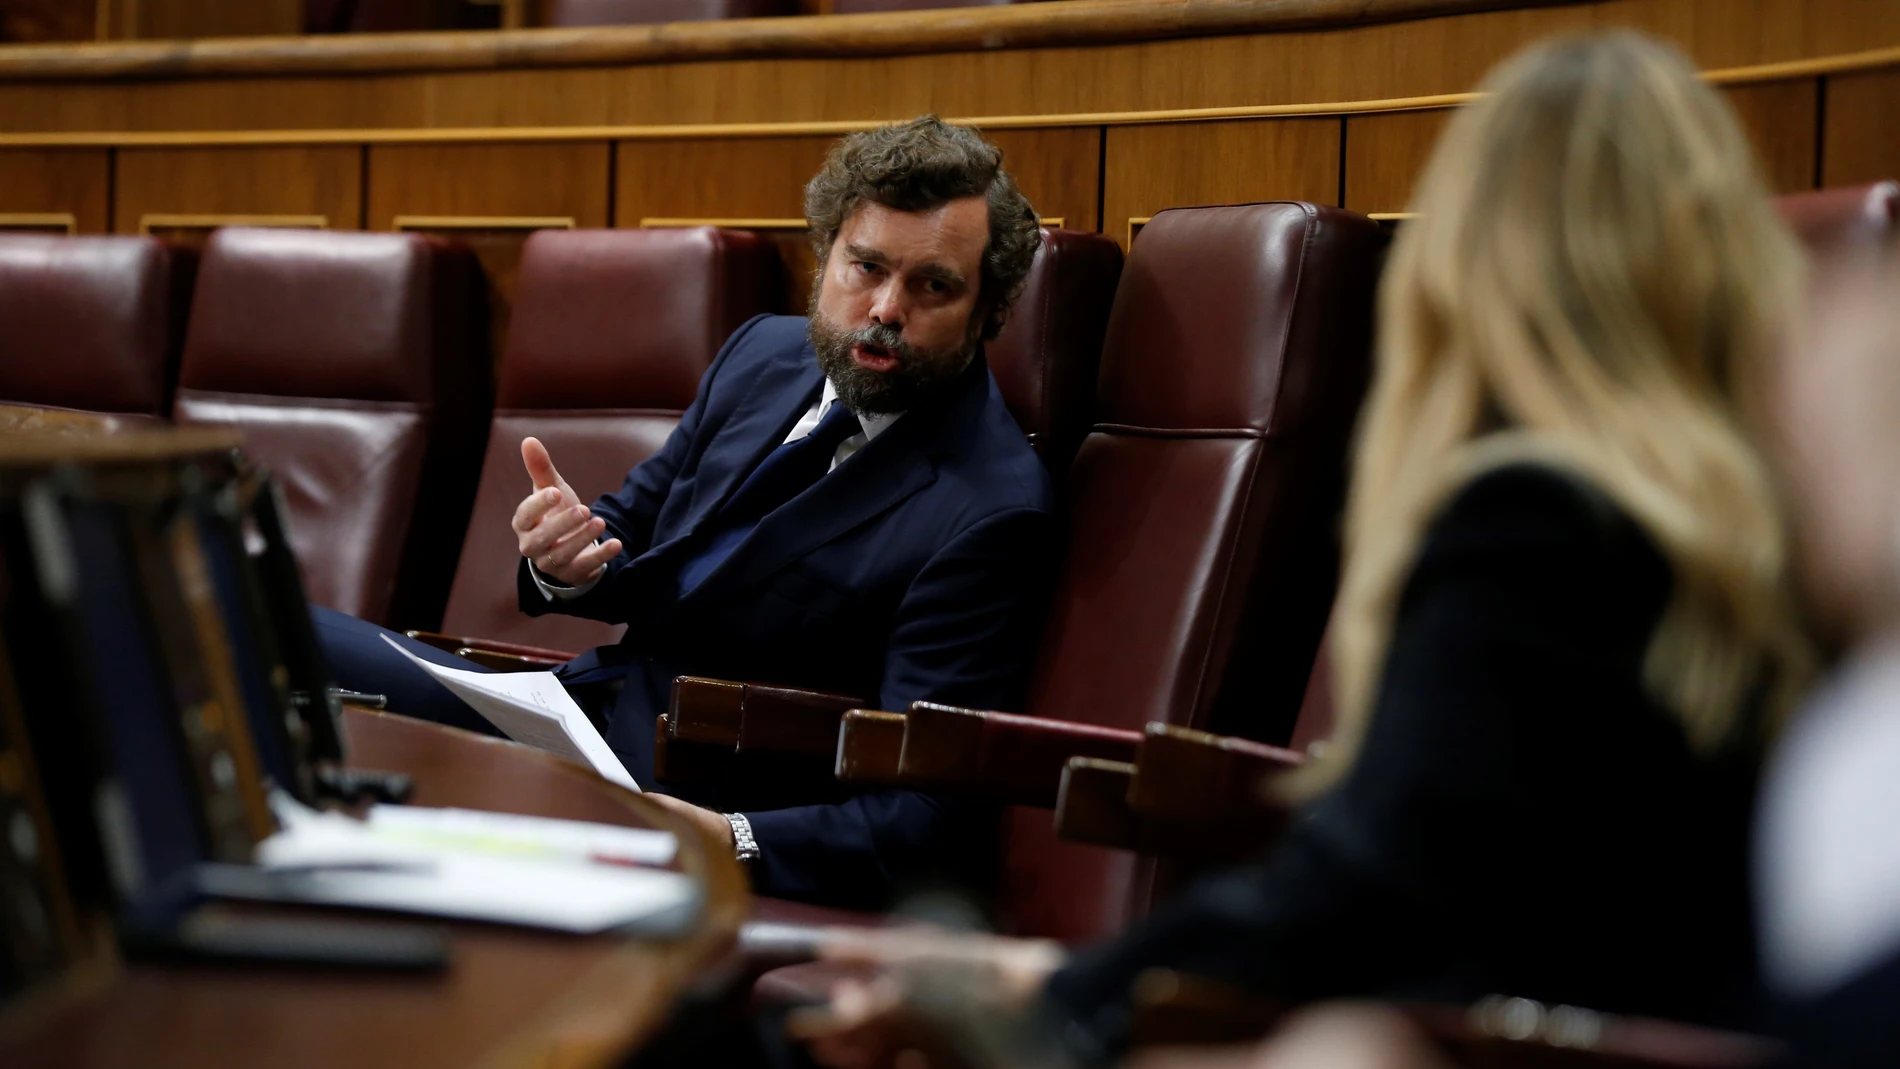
(479, 866)
(531, 708)
(512, 833)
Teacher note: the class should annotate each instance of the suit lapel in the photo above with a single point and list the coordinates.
(781, 392)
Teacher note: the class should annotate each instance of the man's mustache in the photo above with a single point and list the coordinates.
(884, 336)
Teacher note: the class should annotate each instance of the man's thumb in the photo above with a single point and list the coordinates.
(540, 466)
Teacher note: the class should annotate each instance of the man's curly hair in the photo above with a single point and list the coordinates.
(918, 165)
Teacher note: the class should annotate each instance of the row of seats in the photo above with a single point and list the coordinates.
(356, 365)
(1200, 467)
(371, 16)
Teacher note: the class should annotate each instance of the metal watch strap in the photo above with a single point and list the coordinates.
(744, 846)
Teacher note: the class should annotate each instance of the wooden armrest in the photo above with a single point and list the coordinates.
(1185, 774)
(1015, 759)
(759, 717)
(456, 643)
(507, 662)
(869, 745)
(1092, 807)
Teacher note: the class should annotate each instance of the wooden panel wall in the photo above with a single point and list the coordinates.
(1861, 143)
(1384, 154)
(1107, 175)
(284, 184)
(1149, 168)
(491, 197)
(1780, 118)
(40, 184)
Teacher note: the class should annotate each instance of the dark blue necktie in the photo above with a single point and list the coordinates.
(785, 473)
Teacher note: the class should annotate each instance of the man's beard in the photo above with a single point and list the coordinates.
(920, 374)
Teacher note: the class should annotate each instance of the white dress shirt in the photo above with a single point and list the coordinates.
(1827, 864)
(873, 425)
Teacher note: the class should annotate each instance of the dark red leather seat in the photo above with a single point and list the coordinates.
(1203, 507)
(612, 330)
(1852, 215)
(355, 365)
(1046, 356)
(637, 12)
(91, 324)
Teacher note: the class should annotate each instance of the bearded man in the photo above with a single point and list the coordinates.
(847, 506)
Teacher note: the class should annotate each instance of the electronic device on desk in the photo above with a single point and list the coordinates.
(295, 712)
(155, 690)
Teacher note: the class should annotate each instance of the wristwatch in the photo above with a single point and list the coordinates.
(744, 846)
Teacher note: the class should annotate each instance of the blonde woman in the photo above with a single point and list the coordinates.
(1563, 631)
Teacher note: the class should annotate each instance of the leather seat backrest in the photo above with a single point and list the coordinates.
(1045, 358)
(355, 365)
(611, 333)
(1827, 219)
(1203, 506)
(91, 324)
(639, 12)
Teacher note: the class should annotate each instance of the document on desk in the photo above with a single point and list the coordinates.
(561, 875)
(531, 708)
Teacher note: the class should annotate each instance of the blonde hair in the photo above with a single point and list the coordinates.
(1594, 270)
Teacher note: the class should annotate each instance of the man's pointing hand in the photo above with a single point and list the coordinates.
(553, 529)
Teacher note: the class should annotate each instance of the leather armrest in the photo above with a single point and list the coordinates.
(508, 662)
(704, 710)
(455, 643)
(869, 744)
(791, 720)
(1015, 759)
(1092, 807)
(758, 717)
(445, 643)
(1185, 774)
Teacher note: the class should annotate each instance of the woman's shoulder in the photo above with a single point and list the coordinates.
(1543, 515)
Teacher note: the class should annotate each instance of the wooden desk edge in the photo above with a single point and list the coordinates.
(604, 1014)
(602, 1005)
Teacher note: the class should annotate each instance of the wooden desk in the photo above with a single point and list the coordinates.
(509, 998)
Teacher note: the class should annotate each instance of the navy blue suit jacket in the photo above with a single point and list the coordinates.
(913, 571)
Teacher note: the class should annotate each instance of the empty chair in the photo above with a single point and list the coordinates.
(356, 366)
(1203, 505)
(634, 12)
(91, 324)
(612, 330)
(1853, 215)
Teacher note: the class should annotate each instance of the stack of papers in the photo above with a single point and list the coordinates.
(563, 875)
(531, 708)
